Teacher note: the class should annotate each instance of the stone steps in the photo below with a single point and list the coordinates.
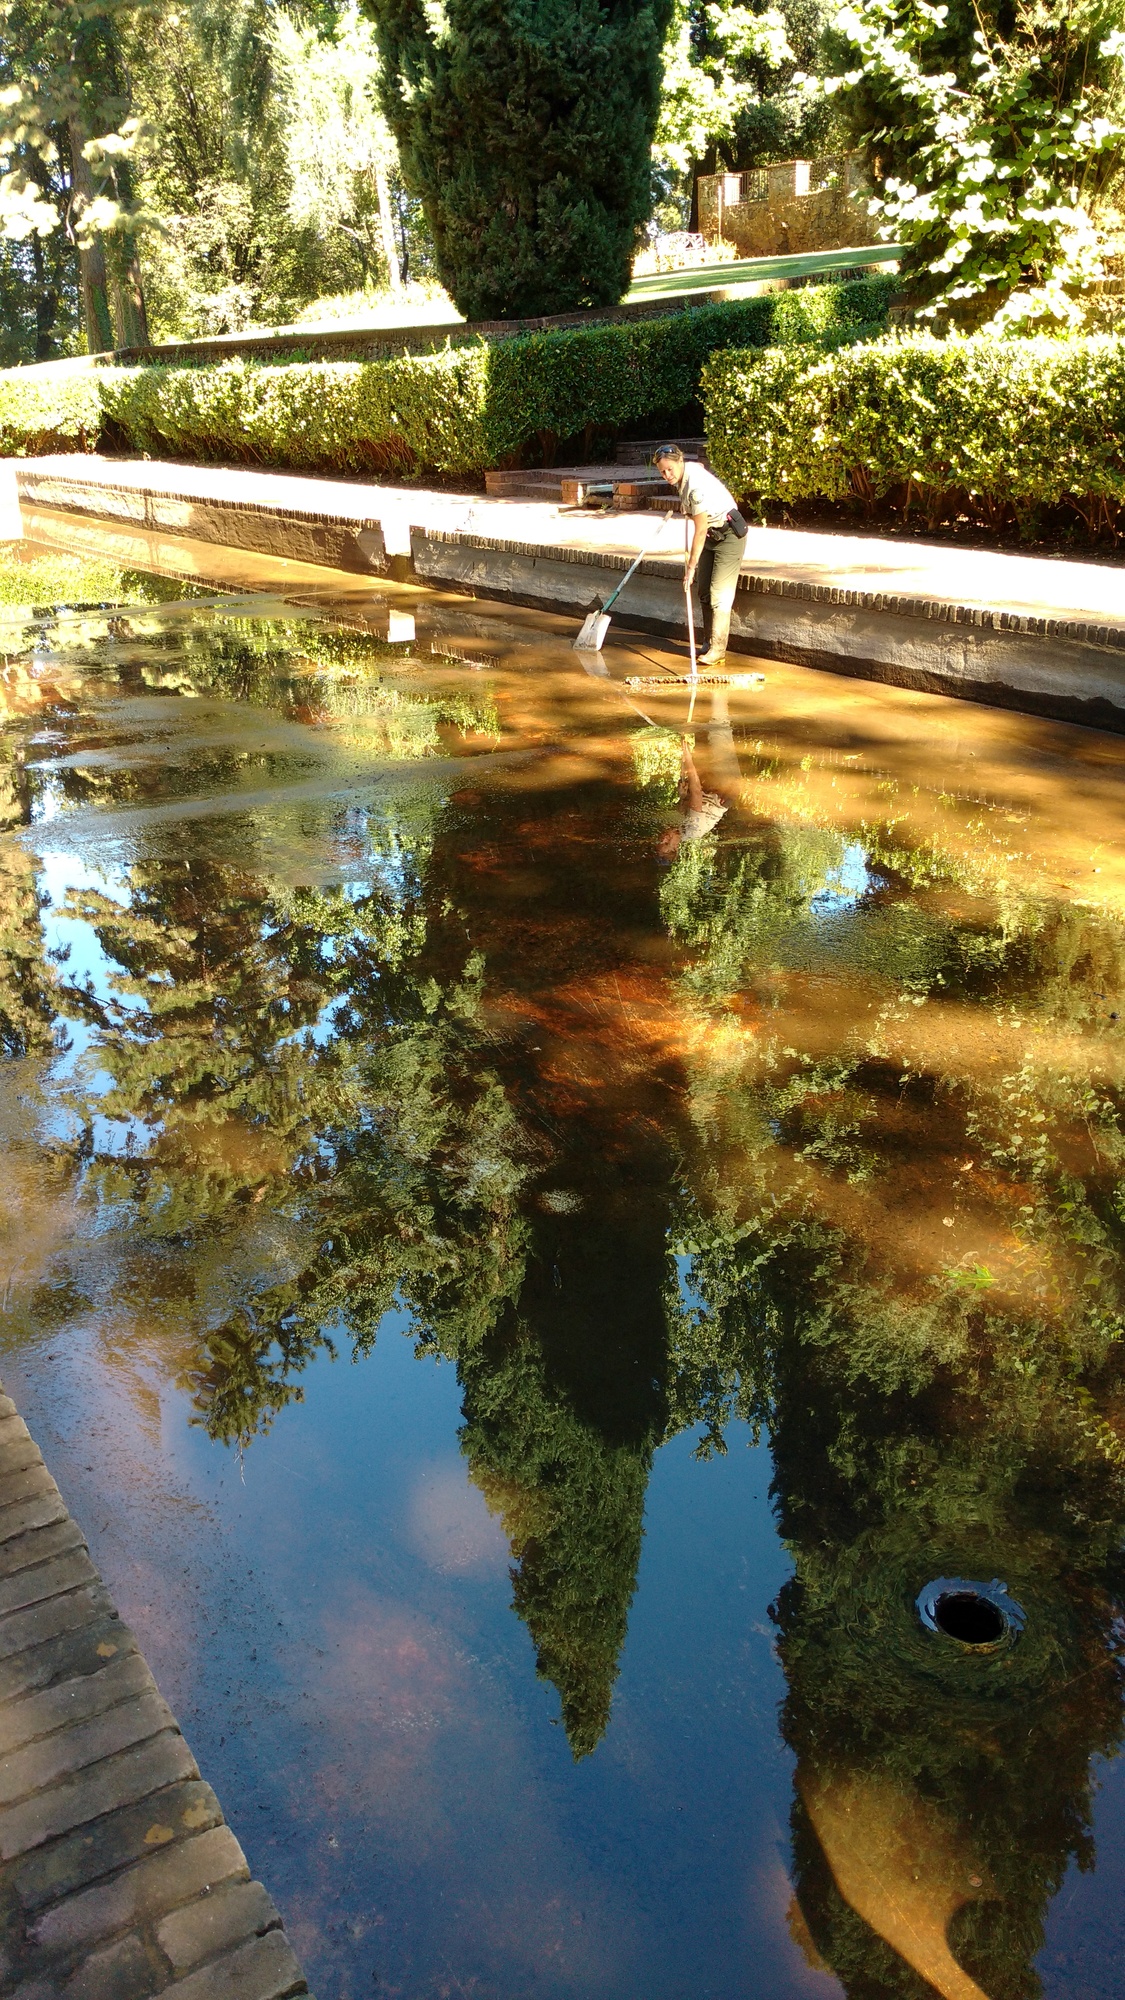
(552, 482)
(628, 475)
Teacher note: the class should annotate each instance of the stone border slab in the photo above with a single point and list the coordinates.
(1021, 632)
(118, 1878)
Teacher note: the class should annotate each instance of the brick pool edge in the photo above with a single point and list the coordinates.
(118, 1877)
(1041, 651)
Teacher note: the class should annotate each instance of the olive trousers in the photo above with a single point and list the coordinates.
(717, 576)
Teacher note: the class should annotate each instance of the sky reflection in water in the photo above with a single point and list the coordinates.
(421, 1203)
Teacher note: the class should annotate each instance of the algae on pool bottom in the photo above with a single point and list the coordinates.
(343, 997)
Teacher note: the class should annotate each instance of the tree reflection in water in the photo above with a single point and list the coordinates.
(874, 1109)
(929, 1415)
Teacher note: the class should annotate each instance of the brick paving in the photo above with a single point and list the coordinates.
(118, 1877)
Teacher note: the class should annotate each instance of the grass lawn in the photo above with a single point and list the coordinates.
(751, 270)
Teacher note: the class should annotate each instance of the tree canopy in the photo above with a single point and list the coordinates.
(180, 168)
(995, 138)
(67, 140)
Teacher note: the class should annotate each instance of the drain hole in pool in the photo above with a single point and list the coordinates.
(980, 1615)
(962, 1615)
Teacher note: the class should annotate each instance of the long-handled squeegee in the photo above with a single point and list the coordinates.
(596, 623)
(695, 679)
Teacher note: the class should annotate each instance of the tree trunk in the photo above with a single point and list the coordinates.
(46, 304)
(404, 249)
(129, 312)
(387, 227)
(91, 261)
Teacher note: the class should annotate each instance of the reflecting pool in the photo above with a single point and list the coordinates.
(564, 1244)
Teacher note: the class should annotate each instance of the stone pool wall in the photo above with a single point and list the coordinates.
(118, 1876)
(1043, 636)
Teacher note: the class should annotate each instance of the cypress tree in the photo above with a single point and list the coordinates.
(525, 126)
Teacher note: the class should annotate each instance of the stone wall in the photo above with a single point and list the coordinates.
(118, 1878)
(786, 208)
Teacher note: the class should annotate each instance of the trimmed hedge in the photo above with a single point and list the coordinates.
(454, 412)
(626, 374)
(1001, 428)
(60, 411)
(338, 416)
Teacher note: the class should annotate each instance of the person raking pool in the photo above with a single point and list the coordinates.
(717, 545)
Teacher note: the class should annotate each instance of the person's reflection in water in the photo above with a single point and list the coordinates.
(699, 811)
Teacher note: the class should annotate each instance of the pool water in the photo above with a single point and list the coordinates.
(585, 1334)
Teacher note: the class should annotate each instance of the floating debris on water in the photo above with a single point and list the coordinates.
(453, 654)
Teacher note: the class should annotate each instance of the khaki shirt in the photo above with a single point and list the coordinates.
(701, 493)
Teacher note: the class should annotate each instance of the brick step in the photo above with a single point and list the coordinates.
(631, 467)
(545, 482)
(118, 1875)
(551, 482)
(629, 485)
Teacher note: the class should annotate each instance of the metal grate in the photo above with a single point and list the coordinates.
(830, 172)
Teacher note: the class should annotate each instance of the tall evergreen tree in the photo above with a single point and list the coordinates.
(525, 128)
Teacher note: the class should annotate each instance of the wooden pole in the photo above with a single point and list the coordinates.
(690, 611)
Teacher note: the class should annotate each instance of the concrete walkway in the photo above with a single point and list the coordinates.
(1032, 632)
(118, 1878)
(929, 572)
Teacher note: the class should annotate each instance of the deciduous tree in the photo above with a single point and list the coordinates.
(738, 89)
(67, 138)
(993, 136)
(339, 147)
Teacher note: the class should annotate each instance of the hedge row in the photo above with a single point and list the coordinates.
(318, 416)
(456, 411)
(1002, 427)
(620, 375)
(56, 411)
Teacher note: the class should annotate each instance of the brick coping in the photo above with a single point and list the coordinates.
(92, 482)
(375, 505)
(118, 1875)
(754, 583)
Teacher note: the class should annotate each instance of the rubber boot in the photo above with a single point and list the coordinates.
(720, 632)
